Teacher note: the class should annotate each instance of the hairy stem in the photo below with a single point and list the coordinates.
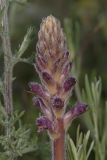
(59, 143)
(7, 60)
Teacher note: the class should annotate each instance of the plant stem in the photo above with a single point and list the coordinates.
(8, 102)
(58, 148)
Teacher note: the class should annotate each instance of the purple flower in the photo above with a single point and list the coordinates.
(53, 66)
(57, 102)
(69, 83)
(73, 113)
(38, 89)
(43, 123)
(78, 109)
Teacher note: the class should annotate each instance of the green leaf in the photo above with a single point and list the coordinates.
(72, 151)
(83, 147)
(90, 149)
(25, 43)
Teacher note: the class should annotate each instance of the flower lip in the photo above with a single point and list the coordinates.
(57, 102)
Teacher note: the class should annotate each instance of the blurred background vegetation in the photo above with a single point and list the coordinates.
(85, 22)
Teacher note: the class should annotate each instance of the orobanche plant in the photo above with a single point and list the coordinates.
(53, 94)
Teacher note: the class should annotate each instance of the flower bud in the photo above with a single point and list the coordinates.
(53, 67)
(51, 37)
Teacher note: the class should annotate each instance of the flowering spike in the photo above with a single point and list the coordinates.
(53, 67)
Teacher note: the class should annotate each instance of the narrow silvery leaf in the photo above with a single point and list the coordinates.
(25, 43)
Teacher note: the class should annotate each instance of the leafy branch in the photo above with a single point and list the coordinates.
(14, 138)
(82, 149)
